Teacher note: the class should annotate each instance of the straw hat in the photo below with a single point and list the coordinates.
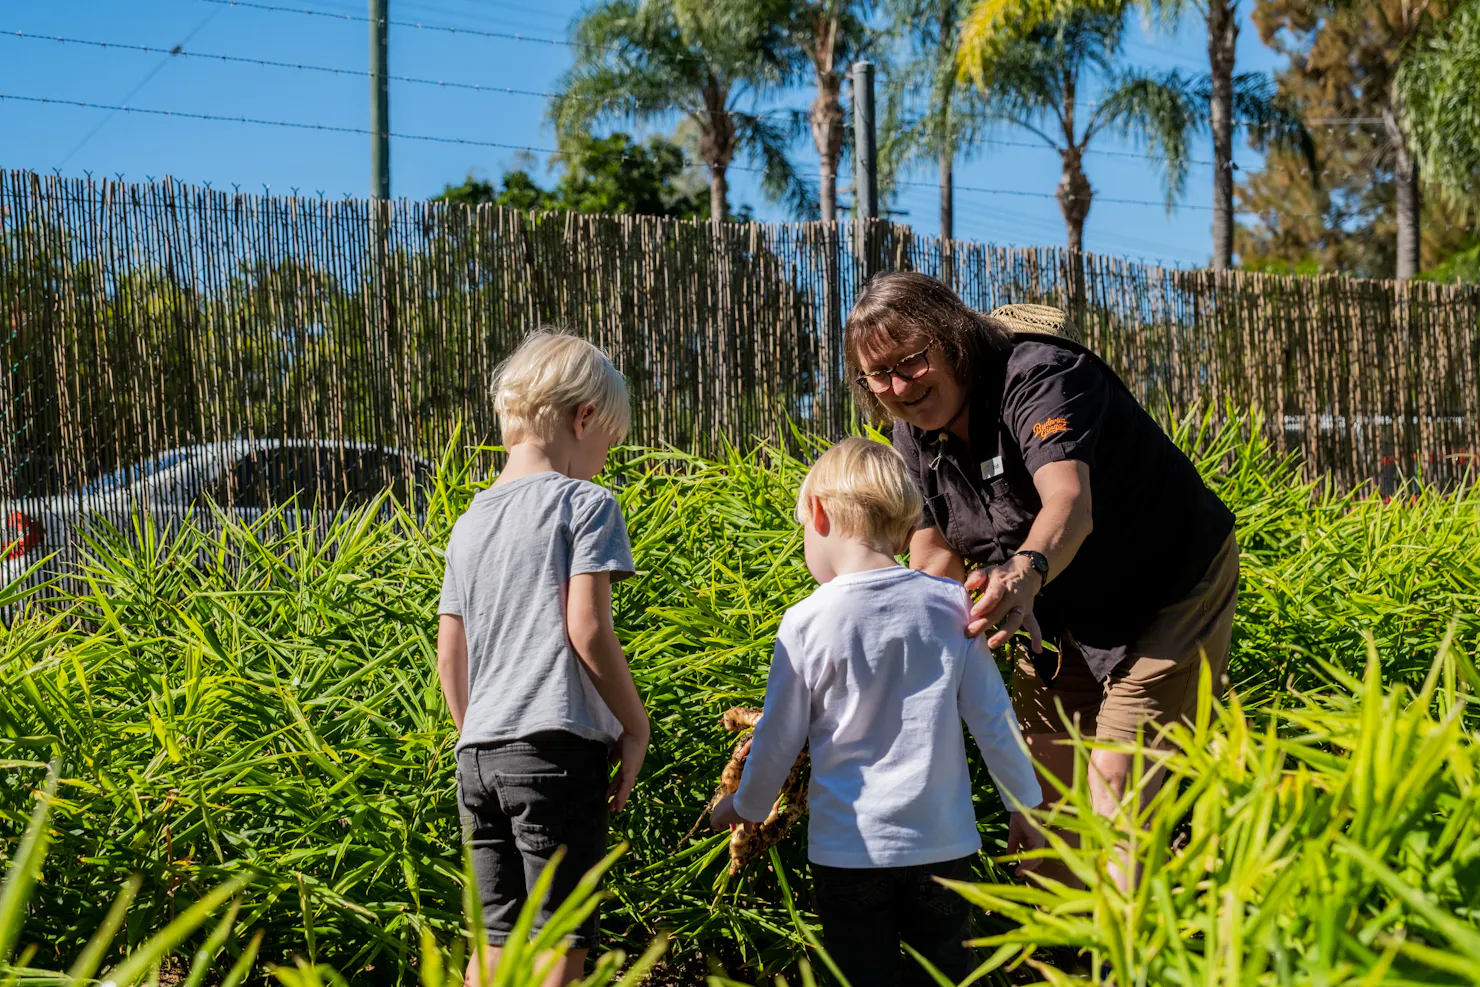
(1037, 318)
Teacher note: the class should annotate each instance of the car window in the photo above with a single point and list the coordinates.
(133, 473)
(268, 478)
(364, 480)
(327, 477)
(376, 470)
(241, 484)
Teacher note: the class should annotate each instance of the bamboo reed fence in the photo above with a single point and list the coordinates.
(140, 318)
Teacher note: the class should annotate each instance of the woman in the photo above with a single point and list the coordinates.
(1035, 461)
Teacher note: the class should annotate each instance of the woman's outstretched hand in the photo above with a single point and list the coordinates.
(1006, 602)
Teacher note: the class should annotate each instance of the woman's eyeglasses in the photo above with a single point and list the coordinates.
(912, 367)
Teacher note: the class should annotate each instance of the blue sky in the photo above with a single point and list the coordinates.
(44, 137)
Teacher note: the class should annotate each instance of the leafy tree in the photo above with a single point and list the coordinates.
(930, 113)
(1227, 96)
(1441, 114)
(516, 189)
(1038, 82)
(607, 175)
(1347, 225)
(710, 63)
(1350, 51)
(1371, 216)
(1462, 265)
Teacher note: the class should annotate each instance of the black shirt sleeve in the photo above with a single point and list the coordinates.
(909, 450)
(1055, 409)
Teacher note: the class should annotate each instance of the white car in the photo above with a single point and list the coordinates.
(248, 477)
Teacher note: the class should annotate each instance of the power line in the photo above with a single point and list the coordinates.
(242, 59)
(1045, 195)
(450, 29)
(179, 51)
(513, 36)
(329, 128)
(1035, 146)
(141, 84)
(479, 12)
(1048, 229)
(477, 32)
(442, 83)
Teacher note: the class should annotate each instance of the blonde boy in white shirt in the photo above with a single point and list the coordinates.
(875, 672)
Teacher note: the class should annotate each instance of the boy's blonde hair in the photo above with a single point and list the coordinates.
(867, 492)
(547, 377)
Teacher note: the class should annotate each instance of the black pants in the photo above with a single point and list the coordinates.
(866, 913)
(520, 801)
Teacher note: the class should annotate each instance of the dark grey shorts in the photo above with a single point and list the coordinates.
(520, 801)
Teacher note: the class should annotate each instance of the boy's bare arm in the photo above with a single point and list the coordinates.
(588, 621)
(452, 665)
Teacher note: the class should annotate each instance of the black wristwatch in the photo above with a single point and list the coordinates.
(1039, 562)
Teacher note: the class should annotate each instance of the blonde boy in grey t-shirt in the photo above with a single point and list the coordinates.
(531, 667)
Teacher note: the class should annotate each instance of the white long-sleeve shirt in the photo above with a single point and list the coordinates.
(874, 670)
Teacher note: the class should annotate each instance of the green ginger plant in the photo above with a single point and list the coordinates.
(240, 698)
(1332, 839)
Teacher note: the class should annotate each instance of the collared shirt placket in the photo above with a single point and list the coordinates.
(978, 489)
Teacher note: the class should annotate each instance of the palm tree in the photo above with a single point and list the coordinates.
(1038, 84)
(710, 63)
(826, 34)
(1436, 117)
(930, 113)
(993, 23)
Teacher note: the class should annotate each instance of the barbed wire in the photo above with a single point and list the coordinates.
(329, 128)
(363, 131)
(420, 26)
(179, 51)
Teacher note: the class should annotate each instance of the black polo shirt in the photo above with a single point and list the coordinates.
(1157, 527)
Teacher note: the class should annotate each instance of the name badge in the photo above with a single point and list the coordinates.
(992, 468)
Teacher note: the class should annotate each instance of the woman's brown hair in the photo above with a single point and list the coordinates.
(907, 306)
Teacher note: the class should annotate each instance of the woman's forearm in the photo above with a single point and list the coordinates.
(1058, 531)
(930, 553)
(1065, 519)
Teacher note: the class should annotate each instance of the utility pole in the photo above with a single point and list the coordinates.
(380, 107)
(865, 164)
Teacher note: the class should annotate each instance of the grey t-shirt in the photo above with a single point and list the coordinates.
(509, 563)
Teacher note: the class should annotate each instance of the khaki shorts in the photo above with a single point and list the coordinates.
(1157, 685)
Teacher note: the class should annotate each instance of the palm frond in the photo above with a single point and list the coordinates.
(1270, 119)
(1027, 81)
(991, 26)
(633, 65)
(1440, 114)
(939, 114)
(766, 138)
(1161, 111)
(646, 60)
(1030, 73)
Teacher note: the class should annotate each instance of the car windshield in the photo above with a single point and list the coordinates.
(132, 474)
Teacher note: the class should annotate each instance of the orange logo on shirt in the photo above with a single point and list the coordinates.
(1051, 426)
